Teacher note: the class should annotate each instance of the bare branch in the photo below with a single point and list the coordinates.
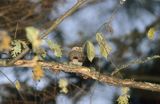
(138, 61)
(87, 73)
(60, 19)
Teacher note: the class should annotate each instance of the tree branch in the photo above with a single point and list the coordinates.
(53, 26)
(87, 73)
(65, 15)
(137, 61)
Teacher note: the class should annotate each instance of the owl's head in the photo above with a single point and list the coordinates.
(76, 55)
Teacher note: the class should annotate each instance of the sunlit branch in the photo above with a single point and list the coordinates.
(87, 73)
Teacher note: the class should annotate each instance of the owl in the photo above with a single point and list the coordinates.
(76, 56)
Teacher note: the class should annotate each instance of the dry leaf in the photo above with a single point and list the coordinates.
(105, 49)
(37, 72)
(5, 41)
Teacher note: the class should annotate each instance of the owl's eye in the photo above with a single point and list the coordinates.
(75, 57)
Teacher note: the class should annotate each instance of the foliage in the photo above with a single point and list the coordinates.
(105, 49)
(90, 51)
(63, 83)
(38, 72)
(33, 35)
(151, 33)
(18, 85)
(55, 48)
(124, 98)
(16, 47)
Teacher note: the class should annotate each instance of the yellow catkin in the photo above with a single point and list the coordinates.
(37, 72)
(151, 33)
(63, 83)
(18, 85)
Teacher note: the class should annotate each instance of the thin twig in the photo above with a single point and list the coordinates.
(137, 61)
(107, 25)
(12, 84)
(59, 20)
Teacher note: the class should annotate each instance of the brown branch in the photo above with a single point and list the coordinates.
(87, 73)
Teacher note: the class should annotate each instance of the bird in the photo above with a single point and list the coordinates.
(76, 56)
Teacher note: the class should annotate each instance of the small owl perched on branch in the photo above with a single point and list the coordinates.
(76, 56)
